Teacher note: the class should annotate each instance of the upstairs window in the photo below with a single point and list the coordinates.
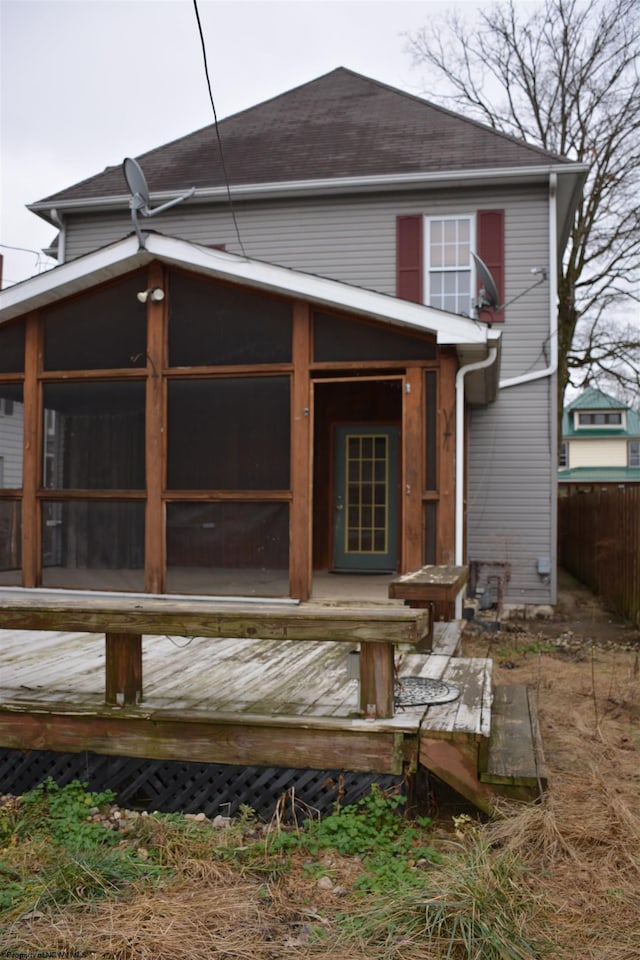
(608, 418)
(449, 264)
(634, 453)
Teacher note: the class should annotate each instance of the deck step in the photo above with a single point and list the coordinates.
(514, 759)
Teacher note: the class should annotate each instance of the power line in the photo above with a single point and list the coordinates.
(215, 117)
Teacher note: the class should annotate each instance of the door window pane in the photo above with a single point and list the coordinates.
(93, 544)
(93, 436)
(237, 549)
(229, 434)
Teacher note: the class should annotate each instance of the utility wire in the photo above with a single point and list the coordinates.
(215, 117)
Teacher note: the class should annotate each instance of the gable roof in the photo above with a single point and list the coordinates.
(341, 126)
(594, 399)
(472, 339)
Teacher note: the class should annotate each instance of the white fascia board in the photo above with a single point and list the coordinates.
(126, 255)
(333, 185)
(72, 277)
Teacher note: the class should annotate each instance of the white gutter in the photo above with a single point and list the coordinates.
(553, 297)
(330, 185)
(459, 507)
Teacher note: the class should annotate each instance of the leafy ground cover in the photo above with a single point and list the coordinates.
(558, 880)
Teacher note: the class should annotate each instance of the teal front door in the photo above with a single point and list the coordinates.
(365, 528)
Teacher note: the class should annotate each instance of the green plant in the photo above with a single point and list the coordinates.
(54, 852)
(375, 831)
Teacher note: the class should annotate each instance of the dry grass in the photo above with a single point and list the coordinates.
(579, 850)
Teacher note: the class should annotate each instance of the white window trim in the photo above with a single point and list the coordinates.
(599, 426)
(635, 443)
(449, 215)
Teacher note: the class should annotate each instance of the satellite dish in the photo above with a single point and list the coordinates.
(488, 295)
(137, 184)
(136, 181)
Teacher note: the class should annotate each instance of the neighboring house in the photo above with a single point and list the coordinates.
(600, 445)
(314, 393)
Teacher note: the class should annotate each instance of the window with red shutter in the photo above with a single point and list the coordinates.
(433, 261)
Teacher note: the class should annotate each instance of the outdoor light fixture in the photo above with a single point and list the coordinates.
(156, 294)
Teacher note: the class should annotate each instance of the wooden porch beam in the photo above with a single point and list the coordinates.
(300, 566)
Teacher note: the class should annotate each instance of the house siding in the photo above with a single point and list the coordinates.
(511, 505)
(598, 453)
(511, 462)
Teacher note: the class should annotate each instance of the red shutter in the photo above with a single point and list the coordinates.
(409, 258)
(490, 247)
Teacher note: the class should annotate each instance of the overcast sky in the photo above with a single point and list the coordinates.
(85, 83)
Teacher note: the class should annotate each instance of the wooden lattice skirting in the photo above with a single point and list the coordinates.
(181, 786)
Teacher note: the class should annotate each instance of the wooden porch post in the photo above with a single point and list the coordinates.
(123, 682)
(445, 540)
(300, 567)
(412, 471)
(154, 552)
(31, 534)
(376, 679)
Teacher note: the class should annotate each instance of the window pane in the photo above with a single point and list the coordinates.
(216, 324)
(10, 543)
(229, 434)
(104, 329)
(12, 347)
(11, 435)
(93, 436)
(93, 545)
(228, 549)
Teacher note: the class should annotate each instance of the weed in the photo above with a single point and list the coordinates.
(373, 830)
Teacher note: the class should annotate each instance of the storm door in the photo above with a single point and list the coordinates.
(365, 510)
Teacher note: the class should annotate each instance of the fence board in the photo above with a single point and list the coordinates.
(599, 543)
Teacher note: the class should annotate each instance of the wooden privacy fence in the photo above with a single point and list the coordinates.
(599, 543)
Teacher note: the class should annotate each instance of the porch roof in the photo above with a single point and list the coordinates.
(472, 338)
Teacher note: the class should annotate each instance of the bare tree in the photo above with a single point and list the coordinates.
(563, 74)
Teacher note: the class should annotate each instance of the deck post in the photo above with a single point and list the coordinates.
(123, 668)
(376, 679)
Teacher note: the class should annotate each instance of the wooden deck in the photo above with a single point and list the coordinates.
(243, 701)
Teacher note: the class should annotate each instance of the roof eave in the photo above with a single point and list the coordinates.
(571, 173)
(126, 255)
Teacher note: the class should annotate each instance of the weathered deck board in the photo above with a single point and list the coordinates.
(45, 610)
(515, 752)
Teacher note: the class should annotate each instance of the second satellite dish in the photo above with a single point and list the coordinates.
(488, 296)
(137, 184)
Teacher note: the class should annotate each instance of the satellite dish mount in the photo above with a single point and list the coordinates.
(139, 202)
(488, 297)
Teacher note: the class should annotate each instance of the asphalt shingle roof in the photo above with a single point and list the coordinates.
(339, 125)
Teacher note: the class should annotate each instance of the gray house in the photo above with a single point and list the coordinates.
(315, 387)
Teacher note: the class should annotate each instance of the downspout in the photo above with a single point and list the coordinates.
(459, 508)
(62, 236)
(553, 297)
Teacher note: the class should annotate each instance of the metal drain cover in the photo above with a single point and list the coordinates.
(421, 691)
